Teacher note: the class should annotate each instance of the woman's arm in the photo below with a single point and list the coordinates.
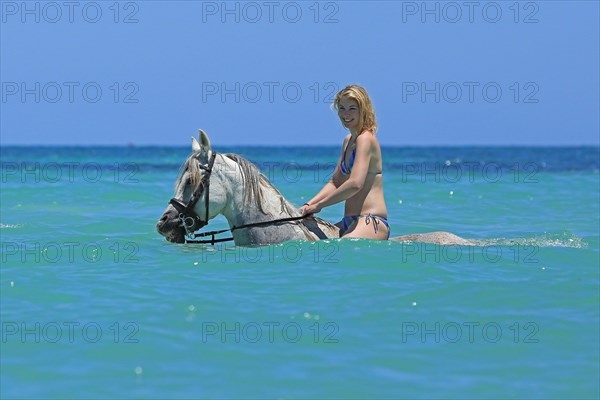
(353, 184)
(333, 182)
(328, 188)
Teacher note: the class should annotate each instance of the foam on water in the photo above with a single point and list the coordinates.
(561, 239)
(10, 226)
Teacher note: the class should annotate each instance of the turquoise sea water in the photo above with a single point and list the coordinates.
(96, 304)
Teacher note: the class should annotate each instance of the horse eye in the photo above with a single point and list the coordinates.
(187, 187)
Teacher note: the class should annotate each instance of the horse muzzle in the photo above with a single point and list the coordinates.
(170, 227)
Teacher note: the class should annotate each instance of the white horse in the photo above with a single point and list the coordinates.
(212, 183)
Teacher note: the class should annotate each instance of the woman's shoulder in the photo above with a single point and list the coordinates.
(346, 139)
(367, 137)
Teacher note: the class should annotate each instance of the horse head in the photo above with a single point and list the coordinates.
(200, 194)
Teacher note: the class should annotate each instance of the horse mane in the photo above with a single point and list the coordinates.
(255, 182)
(192, 166)
(252, 178)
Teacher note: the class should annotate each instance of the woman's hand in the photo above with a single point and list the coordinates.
(307, 209)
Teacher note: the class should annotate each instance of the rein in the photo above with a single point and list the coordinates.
(187, 213)
(213, 233)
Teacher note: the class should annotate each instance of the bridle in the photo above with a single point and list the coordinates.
(187, 216)
(192, 222)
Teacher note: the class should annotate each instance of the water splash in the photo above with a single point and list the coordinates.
(10, 226)
(562, 239)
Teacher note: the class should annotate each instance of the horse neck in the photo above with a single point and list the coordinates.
(239, 213)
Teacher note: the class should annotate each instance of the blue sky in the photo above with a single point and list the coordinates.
(439, 73)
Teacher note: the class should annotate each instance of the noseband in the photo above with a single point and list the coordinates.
(188, 217)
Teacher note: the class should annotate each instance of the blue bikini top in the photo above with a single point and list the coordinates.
(347, 168)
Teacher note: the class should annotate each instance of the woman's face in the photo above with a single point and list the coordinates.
(349, 113)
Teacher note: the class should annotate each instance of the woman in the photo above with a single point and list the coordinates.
(357, 178)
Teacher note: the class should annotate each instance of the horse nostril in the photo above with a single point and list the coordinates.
(163, 219)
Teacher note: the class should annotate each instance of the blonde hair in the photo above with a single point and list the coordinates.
(357, 93)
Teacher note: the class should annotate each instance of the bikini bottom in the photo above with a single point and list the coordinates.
(350, 220)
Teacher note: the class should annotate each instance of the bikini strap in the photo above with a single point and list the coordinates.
(369, 218)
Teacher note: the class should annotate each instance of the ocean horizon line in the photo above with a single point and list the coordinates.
(271, 146)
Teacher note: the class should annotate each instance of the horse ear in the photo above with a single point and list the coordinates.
(195, 145)
(204, 140)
